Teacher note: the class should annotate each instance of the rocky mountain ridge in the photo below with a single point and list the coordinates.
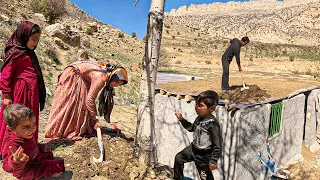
(232, 6)
(269, 21)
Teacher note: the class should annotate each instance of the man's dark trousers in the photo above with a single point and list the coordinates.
(225, 74)
(200, 157)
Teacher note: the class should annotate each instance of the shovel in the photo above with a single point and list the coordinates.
(243, 83)
(100, 143)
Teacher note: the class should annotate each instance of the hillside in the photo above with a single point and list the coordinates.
(74, 36)
(269, 21)
(284, 36)
(276, 29)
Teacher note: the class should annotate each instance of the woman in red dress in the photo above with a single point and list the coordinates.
(21, 79)
(73, 111)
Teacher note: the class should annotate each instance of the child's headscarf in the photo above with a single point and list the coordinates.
(16, 46)
(106, 97)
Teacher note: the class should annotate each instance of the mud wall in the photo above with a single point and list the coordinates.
(245, 131)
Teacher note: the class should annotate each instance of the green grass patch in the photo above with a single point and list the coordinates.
(169, 71)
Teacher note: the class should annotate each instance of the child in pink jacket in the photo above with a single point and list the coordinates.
(22, 156)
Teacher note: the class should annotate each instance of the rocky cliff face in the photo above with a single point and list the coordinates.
(267, 21)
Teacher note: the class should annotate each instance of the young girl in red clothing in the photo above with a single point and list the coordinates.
(21, 79)
(22, 156)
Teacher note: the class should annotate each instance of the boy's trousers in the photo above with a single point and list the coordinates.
(201, 159)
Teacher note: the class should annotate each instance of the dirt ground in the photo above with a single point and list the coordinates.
(260, 87)
(266, 78)
(307, 169)
(119, 163)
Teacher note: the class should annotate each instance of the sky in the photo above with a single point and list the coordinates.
(123, 15)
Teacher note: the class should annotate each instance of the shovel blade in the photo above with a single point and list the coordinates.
(244, 86)
(100, 159)
(97, 160)
(100, 143)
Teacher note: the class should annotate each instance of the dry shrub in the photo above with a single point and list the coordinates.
(296, 72)
(166, 25)
(145, 37)
(312, 73)
(121, 35)
(89, 31)
(208, 62)
(291, 58)
(134, 34)
(38, 6)
(309, 72)
(51, 9)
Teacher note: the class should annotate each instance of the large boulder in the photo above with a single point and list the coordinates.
(65, 34)
(61, 44)
(72, 38)
(86, 42)
(56, 30)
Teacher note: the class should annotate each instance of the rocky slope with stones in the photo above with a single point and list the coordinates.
(267, 21)
(75, 36)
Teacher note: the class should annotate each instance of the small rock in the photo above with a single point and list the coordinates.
(24, 16)
(84, 163)
(93, 27)
(48, 92)
(318, 160)
(152, 174)
(105, 29)
(105, 169)
(61, 44)
(83, 54)
(40, 17)
(5, 18)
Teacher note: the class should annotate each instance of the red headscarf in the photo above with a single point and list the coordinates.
(16, 46)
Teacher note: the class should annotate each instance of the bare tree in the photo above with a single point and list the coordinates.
(136, 3)
(144, 141)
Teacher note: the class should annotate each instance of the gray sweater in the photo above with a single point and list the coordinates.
(233, 50)
(206, 136)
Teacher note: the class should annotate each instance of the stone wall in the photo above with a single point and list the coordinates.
(245, 132)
